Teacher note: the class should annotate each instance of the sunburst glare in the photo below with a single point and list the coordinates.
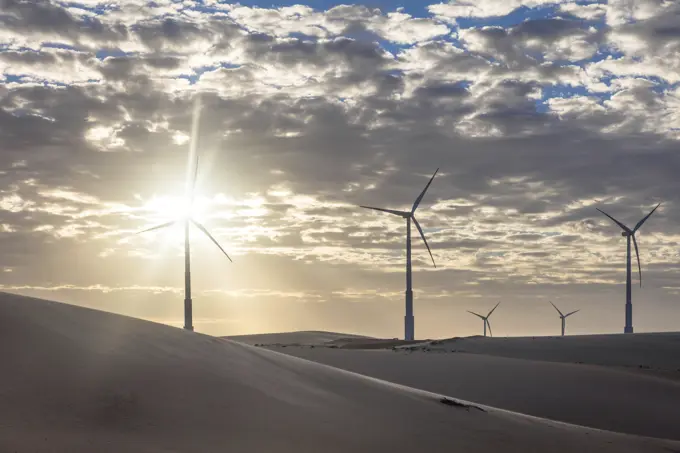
(177, 209)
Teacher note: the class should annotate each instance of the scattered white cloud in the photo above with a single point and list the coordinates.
(484, 8)
(589, 12)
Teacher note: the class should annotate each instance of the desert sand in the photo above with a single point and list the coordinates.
(320, 338)
(80, 380)
(653, 351)
(304, 338)
(618, 397)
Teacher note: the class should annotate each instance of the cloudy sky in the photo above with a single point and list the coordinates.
(535, 111)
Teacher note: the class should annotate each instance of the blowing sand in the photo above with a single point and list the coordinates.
(79, 380)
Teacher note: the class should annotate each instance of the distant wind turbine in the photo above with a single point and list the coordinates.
(485, 319)
(628, 234)
(409, 322)
(187, 220)
(564, 317)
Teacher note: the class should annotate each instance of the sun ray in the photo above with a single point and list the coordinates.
(192, 164)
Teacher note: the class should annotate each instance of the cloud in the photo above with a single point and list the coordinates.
(646, 33)
(484, 8)
(589, 12)
(535, 40)
(31, 21)
(621, 12)
(308, 113)
(348, 20)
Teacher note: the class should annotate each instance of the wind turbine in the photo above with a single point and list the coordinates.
(628, 233)
(187, 220)
(563, 317)
(409, 322)
(485, 319)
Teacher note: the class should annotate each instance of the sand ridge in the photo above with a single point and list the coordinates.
(79, 380)
(608, 398)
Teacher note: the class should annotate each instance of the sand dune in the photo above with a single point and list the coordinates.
(308, 338)
(660, 351)
(601, 397)
(79, 380)
(317, 338)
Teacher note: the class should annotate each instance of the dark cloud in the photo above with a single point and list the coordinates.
(661, 31)
(443, 90)
(45, 18)
(160, 34)
(28, 57)
(549, 30)
(534, 42)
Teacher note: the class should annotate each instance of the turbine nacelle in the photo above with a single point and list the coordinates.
(485, 319)
(563, 317)
(410, 215)
(628, 233)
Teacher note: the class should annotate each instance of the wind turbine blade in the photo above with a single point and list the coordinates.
(389, 211)
(638, 258)
(558, 310)
(569, 314)
(625, 228)
(493, 309)
(422, 235)
(157, 227)
(476, 314)
(639, 224)
(489, 325)
(422, 194)
(202, 228)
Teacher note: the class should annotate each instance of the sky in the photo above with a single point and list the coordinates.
(536, 112)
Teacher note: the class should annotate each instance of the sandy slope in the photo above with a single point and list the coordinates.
(302, 337)
(318, 338)
(648, 350)
(78, 380)
(601, 397)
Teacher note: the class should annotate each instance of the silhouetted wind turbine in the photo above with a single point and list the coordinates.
(485, 319)
(187, 220)
(628, 233)
(409, 322)
(564, 317)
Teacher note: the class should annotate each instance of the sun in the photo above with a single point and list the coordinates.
(161, 209)
(177, 208)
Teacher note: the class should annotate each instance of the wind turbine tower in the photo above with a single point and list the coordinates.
(485, 319)
(628, 234)
(409, 321)
(563, 317)
(187, 220)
